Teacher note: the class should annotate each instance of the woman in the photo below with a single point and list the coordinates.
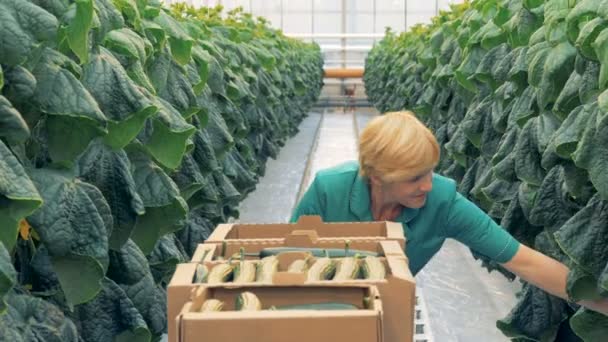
(394, 181)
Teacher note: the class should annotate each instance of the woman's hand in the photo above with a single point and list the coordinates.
(548, 274)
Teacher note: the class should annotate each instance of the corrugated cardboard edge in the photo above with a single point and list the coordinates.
(179, 291)
(394, 231)
(220, 232)
(204, 252)
(395, 259)
(186, 314)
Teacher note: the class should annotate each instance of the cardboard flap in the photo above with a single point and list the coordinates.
(302, 238)
(204, 252)
(198, 298)
(394, 230)
(310, 221)
(289, 278)
(220, 232)
(183, 274)
(399, 268)
(392, 248)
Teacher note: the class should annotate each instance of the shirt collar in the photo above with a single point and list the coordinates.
(360, 203)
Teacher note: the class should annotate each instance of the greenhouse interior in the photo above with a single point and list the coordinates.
(298, 170)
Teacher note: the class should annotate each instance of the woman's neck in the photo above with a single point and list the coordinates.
(383, 208)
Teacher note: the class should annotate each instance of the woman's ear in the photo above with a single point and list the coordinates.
(375, 180)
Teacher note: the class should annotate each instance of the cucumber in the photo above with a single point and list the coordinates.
(318, 252)
(247, 301)
(317, 306)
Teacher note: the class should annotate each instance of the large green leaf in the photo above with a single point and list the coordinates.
(74, 117)
(172, 84)
(197, 228)
(20, 86)
(8, 276)
(78, 29)
(503, 160)
(568, 135)
(474, 120)
(549, 70)
(12, 126)
(23, 26)
(110, 18)
(128, 43)
(188, 177)
(536, 316)
(166, 136)
(584, 237)
(515, 222)
(229, 195)
(120, 99)
(219, 135)
(519, 71)
(167, 253)
(579, 16)
(110, 171)
(520, 27)
(164, 205)
(524, 108)
(179, 40)
(601, 50)
(18, 195)
(588, 38)
(589, 325)
(33, 319)
(111, 316)
(589, 90)
(581, 285)
(204, 153)
(552, 206)
(130, 10)
(591, 150)
(235, 169)
(74, 223)
(527, 155)
(568, 98)
(130, 270)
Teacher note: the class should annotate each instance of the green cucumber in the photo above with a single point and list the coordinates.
(317, 306)
(317, 252)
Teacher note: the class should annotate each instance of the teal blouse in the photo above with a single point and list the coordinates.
(340, 194)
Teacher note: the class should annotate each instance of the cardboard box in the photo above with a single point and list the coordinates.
(397, 290)
(351, 231)
(363, 325)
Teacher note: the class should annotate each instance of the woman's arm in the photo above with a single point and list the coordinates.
(548, 274)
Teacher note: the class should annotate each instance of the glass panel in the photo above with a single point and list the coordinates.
(266, 7)
(359, 23)
(360, 6)
(292, 6)
(297, 22)
(327, 5)
(394, 21)
(327, 22)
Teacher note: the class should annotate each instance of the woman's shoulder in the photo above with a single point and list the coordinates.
(337, 177)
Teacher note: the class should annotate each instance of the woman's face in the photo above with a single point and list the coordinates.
(411, 192)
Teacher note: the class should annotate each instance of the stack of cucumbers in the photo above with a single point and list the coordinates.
(320, 264)
(247, 301)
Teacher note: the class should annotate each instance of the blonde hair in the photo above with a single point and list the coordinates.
(397, 146)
